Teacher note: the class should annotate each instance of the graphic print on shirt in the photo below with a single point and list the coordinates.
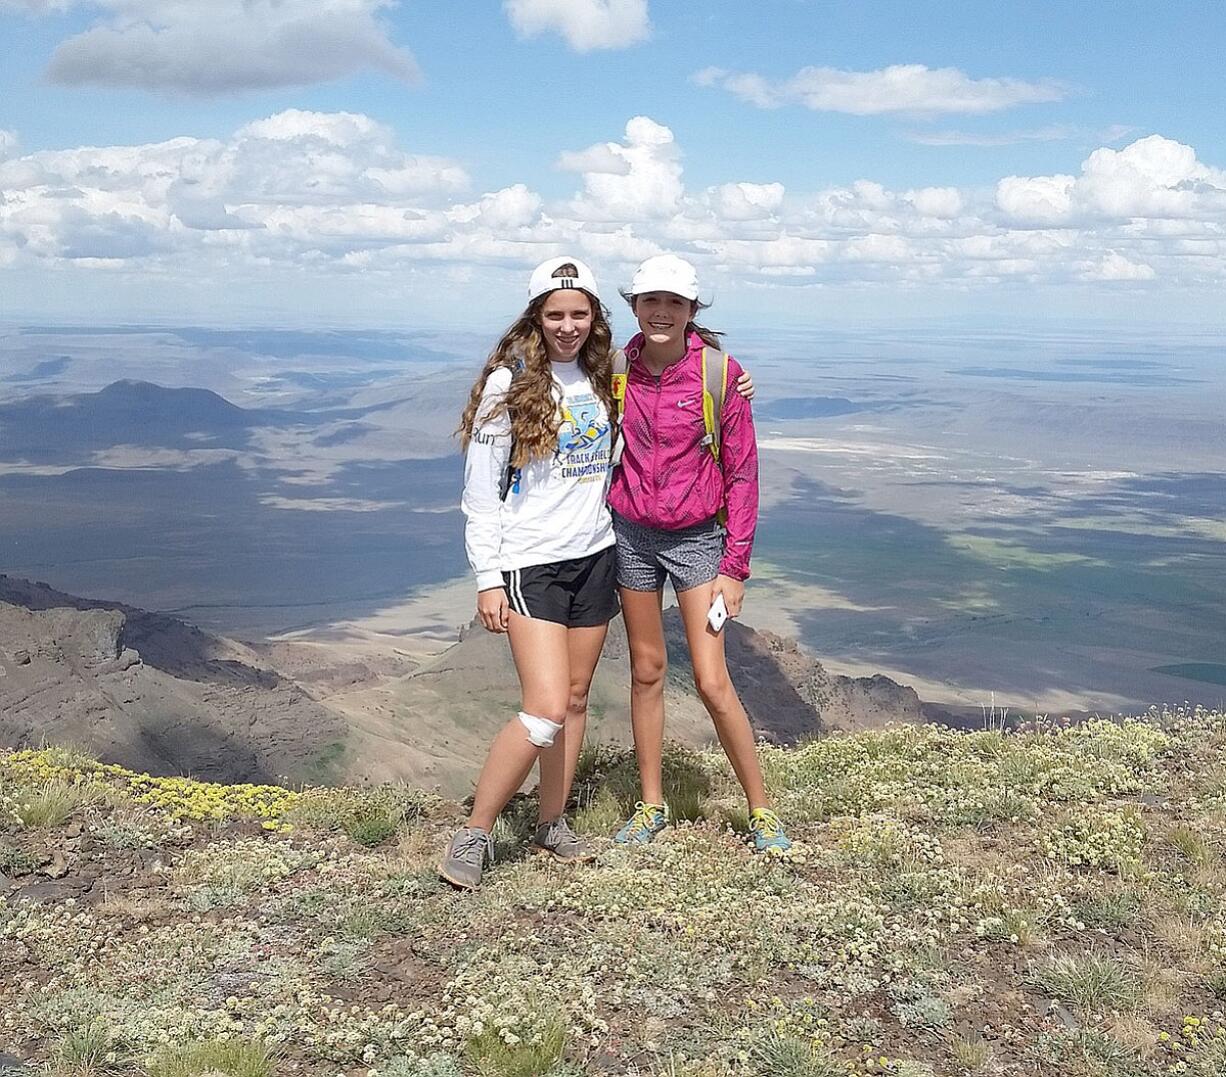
(583, 440)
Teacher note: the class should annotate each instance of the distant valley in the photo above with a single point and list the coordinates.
(1037, 520)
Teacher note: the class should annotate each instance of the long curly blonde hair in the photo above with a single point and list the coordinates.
(530, 402)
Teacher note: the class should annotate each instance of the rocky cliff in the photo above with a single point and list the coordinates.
(150, 692)
(156, 694)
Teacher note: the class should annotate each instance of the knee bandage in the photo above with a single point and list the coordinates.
(541, 731)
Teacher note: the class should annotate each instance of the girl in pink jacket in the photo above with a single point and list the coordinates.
(668, 497)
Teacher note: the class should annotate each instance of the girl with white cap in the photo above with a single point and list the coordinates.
(537, 433)
(538, 441)
(682, 474)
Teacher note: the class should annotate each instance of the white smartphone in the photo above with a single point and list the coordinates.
(718, 613)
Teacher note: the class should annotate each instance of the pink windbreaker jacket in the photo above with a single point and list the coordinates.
(668, 478)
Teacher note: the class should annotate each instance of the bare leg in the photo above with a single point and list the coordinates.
(718, 694)
(543, 664)
(648, 664)
(558, 762)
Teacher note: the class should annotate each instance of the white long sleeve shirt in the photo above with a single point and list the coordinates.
(555, 510)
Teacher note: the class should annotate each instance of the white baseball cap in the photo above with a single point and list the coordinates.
(666, 273)
(543, 280)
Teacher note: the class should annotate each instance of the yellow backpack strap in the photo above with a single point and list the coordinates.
(713, 400)
(713, 407)
(621, 369)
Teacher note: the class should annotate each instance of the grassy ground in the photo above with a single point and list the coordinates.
(1042, 902)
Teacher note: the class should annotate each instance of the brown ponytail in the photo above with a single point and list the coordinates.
(709, 336)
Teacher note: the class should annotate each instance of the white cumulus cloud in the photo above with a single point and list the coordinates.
(311, 195)
(227, 46)
(585, 25)
(941, 202)
(1152, 178)
(1114, 266)
(511, 208)
(322, 157)
(899, 88)
(772, 255)
(747, 201)
(603, 157)
(620, 245)
(1038, 199)
(895, 250)
(648, 187)
(280, 190)
(338, 128)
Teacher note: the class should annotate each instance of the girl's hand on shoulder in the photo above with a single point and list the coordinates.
(733, 592)
(494, 609)
(744, 386)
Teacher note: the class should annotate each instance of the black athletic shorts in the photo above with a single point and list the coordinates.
(579, 593)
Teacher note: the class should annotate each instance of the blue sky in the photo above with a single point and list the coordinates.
(375, 162)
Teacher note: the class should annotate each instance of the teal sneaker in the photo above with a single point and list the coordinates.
(767, 832)
(643, 826)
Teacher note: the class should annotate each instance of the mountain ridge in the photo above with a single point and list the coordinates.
(153, 692)
(68, 428)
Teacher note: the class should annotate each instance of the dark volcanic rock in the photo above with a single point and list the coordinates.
(788, 693)
(149, 692)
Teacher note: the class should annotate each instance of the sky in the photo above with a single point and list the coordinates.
(390, 163)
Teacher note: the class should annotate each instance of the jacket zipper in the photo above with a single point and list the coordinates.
(655, 445)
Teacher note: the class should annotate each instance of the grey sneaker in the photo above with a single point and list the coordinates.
(465, 857)
(558, 838)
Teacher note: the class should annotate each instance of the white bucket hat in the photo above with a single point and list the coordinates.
(543, 280)
(666, 273)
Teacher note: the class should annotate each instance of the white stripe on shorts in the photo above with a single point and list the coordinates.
(517, 595)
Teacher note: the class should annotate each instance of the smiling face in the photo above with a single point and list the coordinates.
(663, 317)
(565, 319)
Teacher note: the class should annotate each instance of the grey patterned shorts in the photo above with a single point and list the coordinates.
(647, 556)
